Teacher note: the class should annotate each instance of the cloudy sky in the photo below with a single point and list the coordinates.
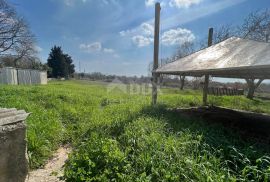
(116, 36)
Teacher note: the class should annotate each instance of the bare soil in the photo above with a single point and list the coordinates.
(53, 170)
(247, 124)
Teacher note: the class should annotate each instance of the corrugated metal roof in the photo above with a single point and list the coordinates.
(234, 57)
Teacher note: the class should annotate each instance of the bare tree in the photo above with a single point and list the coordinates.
(15, 36)
(183, 50)
(220, 34)
(256, 27)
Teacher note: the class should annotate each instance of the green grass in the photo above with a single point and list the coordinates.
(120, 137)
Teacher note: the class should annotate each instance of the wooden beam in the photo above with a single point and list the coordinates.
(258, 83)
(156, 52)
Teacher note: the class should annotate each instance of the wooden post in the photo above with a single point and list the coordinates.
(210, 36)
(206, 77)
(182, 82)
(156, 52)
(205, 89)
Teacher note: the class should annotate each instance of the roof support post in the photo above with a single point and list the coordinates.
(156, 52)
(206, 77)
(205, 89)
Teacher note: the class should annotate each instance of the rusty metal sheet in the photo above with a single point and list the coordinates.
(233, 57)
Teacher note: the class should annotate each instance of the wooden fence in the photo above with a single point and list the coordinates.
(219, 91)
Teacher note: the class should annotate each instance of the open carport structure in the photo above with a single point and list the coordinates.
(231, 58)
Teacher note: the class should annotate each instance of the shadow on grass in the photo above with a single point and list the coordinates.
(215, 134)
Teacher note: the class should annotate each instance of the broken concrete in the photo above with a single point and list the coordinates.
(13, 161)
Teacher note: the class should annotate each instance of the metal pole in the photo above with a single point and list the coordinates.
(206, 77)
(156, 52)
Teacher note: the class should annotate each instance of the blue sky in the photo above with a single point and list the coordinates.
(116, 36)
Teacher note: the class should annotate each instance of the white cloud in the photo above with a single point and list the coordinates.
(143, 35)
(183, 3)
(72, 3)
(197, 12)
(173, 3)
(106, 50)
(142, 41)
(93, 47)
(177, 37)
(124, 33)
(116, 56)
(145, 29)
(38, 49)
(68, 2)
(140, 36)
(149, 3)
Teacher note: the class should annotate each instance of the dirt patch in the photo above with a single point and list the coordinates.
(248, 124)
(53, 170)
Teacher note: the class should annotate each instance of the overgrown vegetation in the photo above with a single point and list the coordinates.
(120, 137)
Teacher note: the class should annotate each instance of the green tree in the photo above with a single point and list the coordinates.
(60, 63)
(70, 65)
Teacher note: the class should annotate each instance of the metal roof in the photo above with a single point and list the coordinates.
(232, 58)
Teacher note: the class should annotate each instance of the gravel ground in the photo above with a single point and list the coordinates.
(53, 170)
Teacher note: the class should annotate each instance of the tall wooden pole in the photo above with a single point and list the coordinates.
(210, 37)
(156, 52)
(206, 77)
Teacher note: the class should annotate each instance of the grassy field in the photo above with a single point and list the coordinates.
(119, 137)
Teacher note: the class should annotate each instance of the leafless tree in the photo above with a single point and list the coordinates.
(256, 27)
(15, 36)
(24, 63)
(183, 50)
(221, 33)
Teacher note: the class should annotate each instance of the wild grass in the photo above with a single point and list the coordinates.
(119, 137)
